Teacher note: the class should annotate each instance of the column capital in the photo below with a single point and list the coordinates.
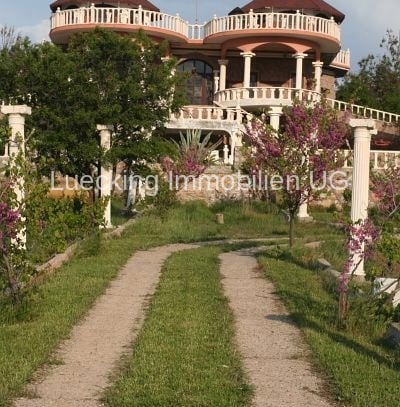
(103, 127)
(364, 123)
(248, 54)
(299, 55)
(318, 64)
(223, 61)
(22, 110)
(275, 110)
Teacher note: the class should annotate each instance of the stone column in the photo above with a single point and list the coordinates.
(363, 129)
(106, 172)
(299, 69)
(275, 114)
(317, 75)
(223, 63)
(16, 121)
(247, 67)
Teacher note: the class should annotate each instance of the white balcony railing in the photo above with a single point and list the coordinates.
(380, 160)
(342, 58)
(274, 21)
(125, 16)
(365, 112)
(211, 113)
(140, 17)
(263, 96)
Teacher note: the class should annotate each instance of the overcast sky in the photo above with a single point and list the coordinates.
(365, 24)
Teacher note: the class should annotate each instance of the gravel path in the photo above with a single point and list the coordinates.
(275, 356)
(100, 340)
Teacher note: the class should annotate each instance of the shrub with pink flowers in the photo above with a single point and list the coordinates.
(14, 269)
(300, 154)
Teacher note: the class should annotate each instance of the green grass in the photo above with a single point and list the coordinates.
(185, 355)
(362, 370)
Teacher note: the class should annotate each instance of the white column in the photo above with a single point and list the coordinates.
(317, 75)
(106, 172)
(222, 73)
(299, 69)
(275, 114)
(360, 188)
(216, 81)
(247, 67)
(16, 121)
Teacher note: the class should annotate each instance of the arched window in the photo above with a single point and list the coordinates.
(199, 84)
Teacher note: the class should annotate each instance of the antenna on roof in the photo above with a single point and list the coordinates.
(197, 10)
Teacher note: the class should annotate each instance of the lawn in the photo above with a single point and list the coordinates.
(29, 337)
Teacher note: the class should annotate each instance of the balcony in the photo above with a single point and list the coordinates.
(64, 23)
(259, 97)
(342, 60)
(320, 30)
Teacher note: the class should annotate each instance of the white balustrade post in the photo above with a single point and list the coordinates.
(317, 75)
(275, 114)
(299, 69)
(106, 172)
(16, 122)
(222, 73)
(363, 129)
(247, 67)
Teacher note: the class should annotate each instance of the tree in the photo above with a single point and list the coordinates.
(8, 37)
(102, 78)
(296, 160)
(377, 84)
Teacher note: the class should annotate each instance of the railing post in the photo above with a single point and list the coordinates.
(298, 15)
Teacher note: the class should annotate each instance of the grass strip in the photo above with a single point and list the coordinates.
(185, 355)
(363, 372)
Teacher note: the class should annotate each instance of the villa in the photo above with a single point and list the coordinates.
(258, 57)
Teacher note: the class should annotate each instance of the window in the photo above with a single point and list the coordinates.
(199, 84)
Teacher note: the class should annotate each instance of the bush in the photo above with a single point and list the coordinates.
(54, 223)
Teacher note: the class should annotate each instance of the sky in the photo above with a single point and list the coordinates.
(362, 31)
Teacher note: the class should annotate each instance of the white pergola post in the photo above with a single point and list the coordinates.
(16, 121)
(247, 67)
(299, 69)
(317, 75)
(275, 114)
(223, 63)
(363, 129)
(106, 172)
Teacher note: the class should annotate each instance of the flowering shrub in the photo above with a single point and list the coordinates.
(375, 238)
(14, 269)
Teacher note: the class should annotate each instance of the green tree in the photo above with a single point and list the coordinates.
(102, 78)
(377, 84)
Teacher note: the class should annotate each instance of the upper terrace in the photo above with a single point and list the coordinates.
(322, 31)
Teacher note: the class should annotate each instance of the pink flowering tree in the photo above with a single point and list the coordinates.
(298, 159)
